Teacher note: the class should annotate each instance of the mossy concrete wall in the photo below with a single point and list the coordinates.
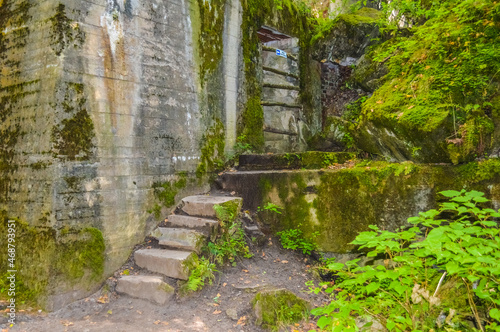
(341, 203)
(102, 105)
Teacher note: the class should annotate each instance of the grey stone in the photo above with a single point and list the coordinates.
(180, 238)
(203, 224)
(232, 313)
(166, 262)
(150, 288)
(267, 303)
(203, 206)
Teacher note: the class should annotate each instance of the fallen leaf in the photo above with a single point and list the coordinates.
(216, 312)
(289, 278)
(103, 299)
(263, 254)
(379, 102)
(156, 322)
(139, 312)
(246, 271)
(67, 323)
(218, 294)
(247, 282)
(110, 312)
(242, 320)
(224, 284)
(284, 262)
(411, 107)
(400, 114)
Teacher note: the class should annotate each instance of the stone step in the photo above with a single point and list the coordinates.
(203, 206)
(308, 160)
(180, 238)
(151, 288)
(201, 224)
(170, 263)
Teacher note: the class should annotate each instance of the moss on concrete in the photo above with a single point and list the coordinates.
(73, 137)
(165, 192)
(50, 261)
(64, 31)
(212, 150)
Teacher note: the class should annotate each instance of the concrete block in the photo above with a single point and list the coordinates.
(150, 288)
(202, 224)
(180, 238)
(203, 206)
(166, 262)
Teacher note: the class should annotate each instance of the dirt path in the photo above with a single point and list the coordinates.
(224, 306)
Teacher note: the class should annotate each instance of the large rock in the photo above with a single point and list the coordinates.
(273, 307)
(150, 288)
(348, 37)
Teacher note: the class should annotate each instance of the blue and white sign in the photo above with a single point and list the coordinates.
(281, 53)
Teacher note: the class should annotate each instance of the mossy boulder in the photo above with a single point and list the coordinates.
(274, 308)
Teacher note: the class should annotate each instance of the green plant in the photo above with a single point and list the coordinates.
(435, 274)
(230, 241)
(294, 239)
(201, 271)
(271, 207)
(241, 146)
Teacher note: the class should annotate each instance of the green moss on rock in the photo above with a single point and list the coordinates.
(274, 309)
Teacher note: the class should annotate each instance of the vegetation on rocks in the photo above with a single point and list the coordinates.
(439, 273)
(440, 96)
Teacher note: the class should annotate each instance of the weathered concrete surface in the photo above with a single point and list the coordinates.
(341, 203)
(166, 262)
(180, 238)
(99, 101)
(150, 288)
(203, 206)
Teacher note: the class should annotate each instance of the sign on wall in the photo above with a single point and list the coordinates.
(281, 53)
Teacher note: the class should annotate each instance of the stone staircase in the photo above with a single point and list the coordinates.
(180, 240)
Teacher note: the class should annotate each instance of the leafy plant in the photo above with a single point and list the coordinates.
(271, 207)
(435, 274)
(230, 241)
(294, 239)
(202, 271)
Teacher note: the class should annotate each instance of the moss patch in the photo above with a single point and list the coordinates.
(47, 260)
(275, 309)
(73, 137)
(165, 192)
(64, 31)
(212, 150)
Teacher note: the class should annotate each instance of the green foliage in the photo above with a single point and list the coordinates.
(443, 72)
(201, 272)
(230, 241)
(461, 239)
(165, 192)
(271, 207)
(294, 239)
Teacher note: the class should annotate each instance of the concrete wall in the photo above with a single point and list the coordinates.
(99, 101)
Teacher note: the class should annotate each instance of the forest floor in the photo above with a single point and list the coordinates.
(224, 306)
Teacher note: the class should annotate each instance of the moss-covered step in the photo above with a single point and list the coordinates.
(203, 206)
(202, 225)
(151, 288)
(171, 263)
(307, 160)
(180, 238)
